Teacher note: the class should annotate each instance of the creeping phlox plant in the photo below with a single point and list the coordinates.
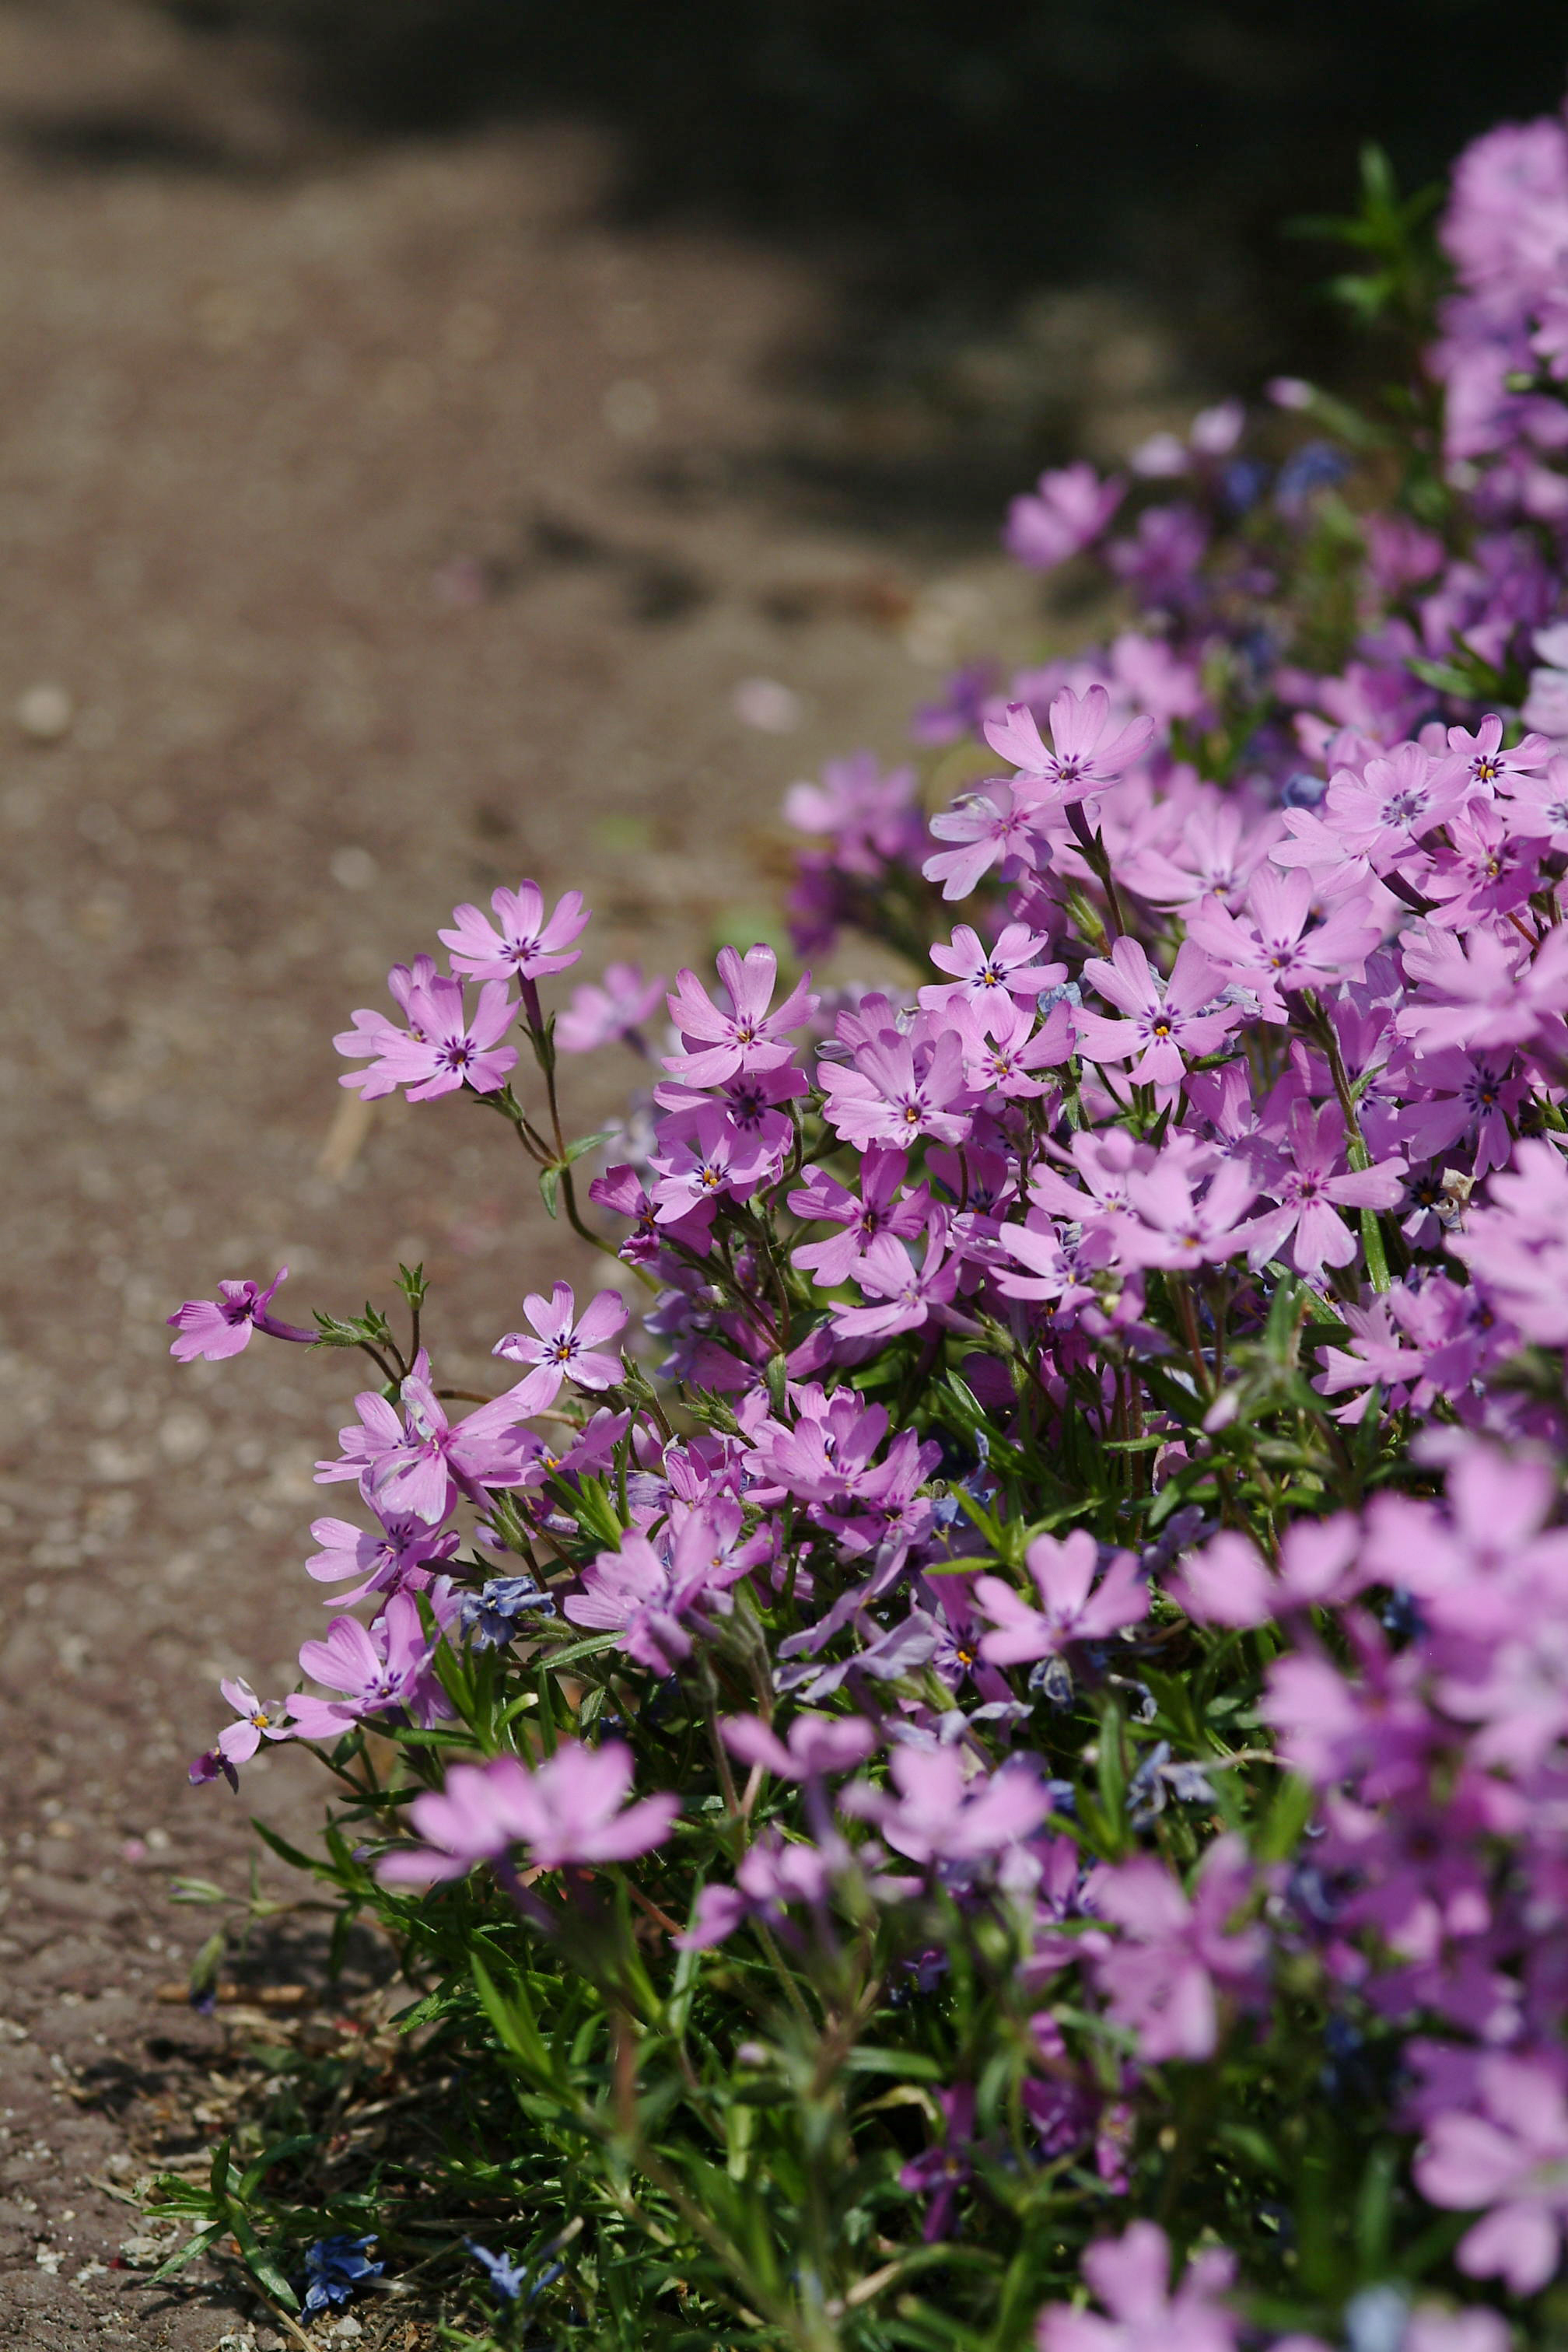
(972, 1750)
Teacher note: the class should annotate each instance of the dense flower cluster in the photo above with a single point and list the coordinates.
(1062, 1599)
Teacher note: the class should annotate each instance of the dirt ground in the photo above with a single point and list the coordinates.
(379, 526)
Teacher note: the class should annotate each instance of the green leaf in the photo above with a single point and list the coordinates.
(188, 2252)
(549, 1188)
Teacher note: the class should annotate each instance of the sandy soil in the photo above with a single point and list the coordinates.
(379, 527)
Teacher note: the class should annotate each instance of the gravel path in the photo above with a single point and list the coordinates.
(379, 527)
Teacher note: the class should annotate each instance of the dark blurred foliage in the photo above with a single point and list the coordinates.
(979, 144)
(947, 164)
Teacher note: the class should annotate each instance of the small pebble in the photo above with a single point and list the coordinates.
(43, 713)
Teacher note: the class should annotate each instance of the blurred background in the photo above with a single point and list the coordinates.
(442, 440)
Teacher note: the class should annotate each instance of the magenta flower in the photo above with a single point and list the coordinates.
(1066, 512)
(1168, 1023)
(1511, 2157)
(746, 1038)
(1177, 1958)
(442, 1048)
(1489, 764)
(1081, 761)
(1131, 2276)
(521, 944)
(567, 1813)
(616, 1007)
(564, 1350)
(1072, 1610)
(992, 827)
(380, 1672)
(217, 1327)
(1003, 1050)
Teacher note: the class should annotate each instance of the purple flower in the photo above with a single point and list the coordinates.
(222, 1326)
(995, 826)
(816, 1744)
(386, 1671)
(564, 1350)
(566, 1813)
(1511, 2158)
(521, 944)
(650, 1597)
(1081, 761)
(1072, 1610)
(943, 1812)
(1177, 1956)
(880, 1208)
(746, 1038)
(1066, 512)
(942, 2171)
(443, 1047)
(1166, 1022)
(1132, 2277)
(600, 1012)
(1176, 1228)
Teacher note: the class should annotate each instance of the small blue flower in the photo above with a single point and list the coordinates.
(335, 2267)
(507, 2278)
(489, 1617)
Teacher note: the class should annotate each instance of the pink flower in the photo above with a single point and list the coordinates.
(942, 1813)
(899, 1088)
(442, 1048)
(222, 1326)
(259, 1719)
(881, 1207)
(992, 827)
(1511, 2158)
(1176, 1228)
(1131, 2276)
(412, 1462)
(564, 1350)
(908, 1294)
(1271, 950)
(1072, 1610)
(566, 1813)
(1066, 512)
(748, 1036)
(650, 1595)
(987, 979)
(1082, 762)
(600, 1012)
(522, 943)
(1177, 1956)
(383, 1671)
(816, 1744)
(1382, 813)
(1310, 1183)
(1167, 1024)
